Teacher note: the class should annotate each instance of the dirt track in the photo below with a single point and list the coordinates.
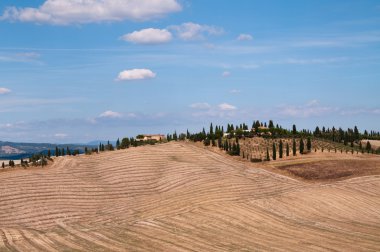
(178, 197)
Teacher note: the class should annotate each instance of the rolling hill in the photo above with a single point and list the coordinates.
(182, 197)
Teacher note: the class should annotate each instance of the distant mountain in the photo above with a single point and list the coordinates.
(10, 150)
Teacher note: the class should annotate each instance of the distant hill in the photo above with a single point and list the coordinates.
(96, 142)
(11, 150)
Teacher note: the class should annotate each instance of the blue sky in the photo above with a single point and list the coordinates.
(76, 71)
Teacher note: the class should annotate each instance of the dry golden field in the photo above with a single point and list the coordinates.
(183, 197)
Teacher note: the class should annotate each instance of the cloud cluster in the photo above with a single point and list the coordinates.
(186, 31)
(110, 114)
(25, 57)
(135, 74)
(60, 135)
(192, 31)
(226, 107)
(204, 109)
(200, 105)
(4, 90)
(310, 109)
(66, 12)
(244, 37)
(226, 74)
(148, 36)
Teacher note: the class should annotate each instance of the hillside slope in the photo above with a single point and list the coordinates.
(178, 197)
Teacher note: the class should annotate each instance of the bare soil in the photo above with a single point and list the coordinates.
(333, 169)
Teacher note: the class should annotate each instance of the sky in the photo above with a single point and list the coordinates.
(77, 71)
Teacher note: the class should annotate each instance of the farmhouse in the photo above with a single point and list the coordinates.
(157, 137)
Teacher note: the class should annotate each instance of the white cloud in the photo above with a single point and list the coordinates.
(65, 12)
(250, 66)
(110, 114)
(148, 36)
(310, 109)
(244, 37)
(226, 107)
(235, 91)
(60, 135)
(135, 74)
(226, 74)
(205, 110)
(4, 90)
(25, 57)
(192, 31)
(200, 105)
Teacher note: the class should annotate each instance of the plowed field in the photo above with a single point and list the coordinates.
(179, 197)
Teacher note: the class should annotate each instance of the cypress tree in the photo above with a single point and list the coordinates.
(294, 147)
(274, 151)
(302, 146)
(63, 152)
(3, 165)
(308, 144)
(238, 149)
(294, 131)
(118, 144)
(287, 149)
(49, 153)
(280, 150)
(56, 151)
(271, 125)
(268, 159)
(368, 146)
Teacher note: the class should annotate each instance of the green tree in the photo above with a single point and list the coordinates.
(271, 125)
(280, 149)
(302, 146)
(56, 151)
(49, 153)
(294, 131)
(220, 143)
(206, 142)
(211, 130)
(125, 143)
(268, 158)
(213, 143)
(118, 144)
(294, 147)
(274, 151)
(287, 149)
(308, 144)
(3, 165)
(356, 134)
(368, 147)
